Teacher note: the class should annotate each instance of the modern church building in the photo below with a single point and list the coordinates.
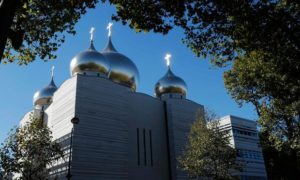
(119, 133)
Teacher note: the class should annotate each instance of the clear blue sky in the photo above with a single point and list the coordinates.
(147, 50)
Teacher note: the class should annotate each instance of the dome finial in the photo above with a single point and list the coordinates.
(52, 71)
(109, 47)
(52, 77)
(109, 27)
(92, 34)
(92, 31)
(168, 59)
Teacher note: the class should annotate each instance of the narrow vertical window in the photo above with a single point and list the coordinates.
(138, 145)
(150, 139)
(145, 152)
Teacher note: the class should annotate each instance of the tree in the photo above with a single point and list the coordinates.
(208, 154)
(281, 164)
(28, 151)
(220, 29)
(38, 26)
(7, 12)
(275, 92)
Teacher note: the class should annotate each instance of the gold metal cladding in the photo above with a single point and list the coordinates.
(89, 60)
(170, 83)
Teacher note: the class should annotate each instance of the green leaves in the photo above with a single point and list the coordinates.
(29, 150)
(208, 154)
(43, 24)
(272, 85)
(259, 78)
(221, 30)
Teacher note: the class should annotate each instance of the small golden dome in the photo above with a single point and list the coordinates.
(170, 83)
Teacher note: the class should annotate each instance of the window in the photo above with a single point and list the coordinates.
(138, 145)
(243, 132)
(145, 149)
(145, 146)
(249, 154)
(150, 140)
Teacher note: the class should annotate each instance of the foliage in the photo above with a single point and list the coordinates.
(38, 26)
(275, 92)
(208, 154)
(274, 89)
(220, 29)
(28, 151)
(281, 164)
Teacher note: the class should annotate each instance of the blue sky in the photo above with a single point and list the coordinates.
(147, 51)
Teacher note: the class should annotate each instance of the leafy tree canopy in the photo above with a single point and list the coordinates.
(28, 151)
(38, 26)
(208, 154)
(281, 164)
(220, 29)
(274, 89)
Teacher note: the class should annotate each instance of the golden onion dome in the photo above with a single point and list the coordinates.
(44, 96)
(122, 70)
(170, 83)
(90, 62)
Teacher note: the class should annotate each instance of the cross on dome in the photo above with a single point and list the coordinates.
(52, 71)
(92, 31)
(168, 59)
(109, 27)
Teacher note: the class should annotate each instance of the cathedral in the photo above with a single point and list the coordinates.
(107, 129)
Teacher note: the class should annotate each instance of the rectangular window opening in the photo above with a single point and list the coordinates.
(145, 152)
(138, 145)
(151, 157)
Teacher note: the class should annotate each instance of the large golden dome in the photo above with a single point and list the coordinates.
(90, 62)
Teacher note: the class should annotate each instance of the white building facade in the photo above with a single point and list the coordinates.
(244, 138)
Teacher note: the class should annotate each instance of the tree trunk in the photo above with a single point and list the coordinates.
(7, 12)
